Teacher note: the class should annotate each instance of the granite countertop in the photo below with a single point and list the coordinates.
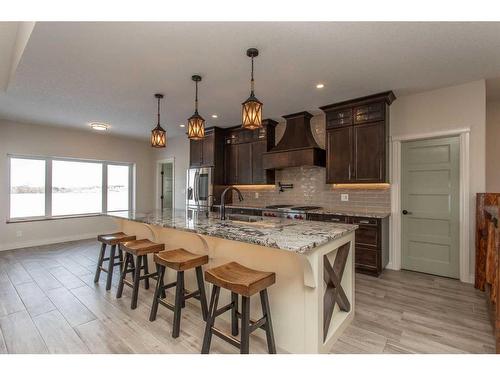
(359, 212)
(292, 235)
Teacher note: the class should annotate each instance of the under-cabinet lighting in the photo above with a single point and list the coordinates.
(255, 187)
(368, 186)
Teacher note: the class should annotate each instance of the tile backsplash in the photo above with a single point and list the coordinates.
(309, 188)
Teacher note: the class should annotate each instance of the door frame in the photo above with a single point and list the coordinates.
(395, 248)
(158, 181)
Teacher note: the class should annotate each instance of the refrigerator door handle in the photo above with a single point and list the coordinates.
(196, 187)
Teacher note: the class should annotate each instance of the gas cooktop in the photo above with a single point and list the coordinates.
(278, 206)
(305, 208)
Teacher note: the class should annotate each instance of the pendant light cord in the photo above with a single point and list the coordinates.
(251, 81)
(196, 98)
(158, 111)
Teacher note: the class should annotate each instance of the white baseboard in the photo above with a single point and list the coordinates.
(47, 241)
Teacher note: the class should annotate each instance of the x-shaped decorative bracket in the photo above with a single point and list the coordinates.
(334, 293)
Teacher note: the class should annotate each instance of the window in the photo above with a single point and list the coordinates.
(56, 187)
(27, 187)
(76, 187)
(118, 190)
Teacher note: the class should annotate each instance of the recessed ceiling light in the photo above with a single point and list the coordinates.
(100, 126)
(182, 125)
(214, 116)
(320, 85)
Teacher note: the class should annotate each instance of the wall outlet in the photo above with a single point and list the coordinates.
(256, 194)
(19, 233)
(344, 197)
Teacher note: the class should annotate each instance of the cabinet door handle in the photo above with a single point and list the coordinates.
(349, 171)
(364, 222)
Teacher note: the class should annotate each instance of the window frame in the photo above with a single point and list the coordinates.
(48, 186)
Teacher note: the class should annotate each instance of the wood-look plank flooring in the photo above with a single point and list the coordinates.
(50, 304)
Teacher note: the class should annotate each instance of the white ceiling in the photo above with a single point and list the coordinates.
(75, 73)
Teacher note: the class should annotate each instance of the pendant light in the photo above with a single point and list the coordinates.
(158, 134)
(252, 107)
(196, 123)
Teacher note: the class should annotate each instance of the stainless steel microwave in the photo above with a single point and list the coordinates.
(199, 187)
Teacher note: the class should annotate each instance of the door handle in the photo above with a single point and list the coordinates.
(405, 212)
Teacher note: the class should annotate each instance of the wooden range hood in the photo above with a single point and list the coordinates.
(297, 147)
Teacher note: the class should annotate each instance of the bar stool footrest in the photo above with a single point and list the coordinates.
(226, 337)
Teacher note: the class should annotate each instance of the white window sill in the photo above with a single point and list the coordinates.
(32, 219)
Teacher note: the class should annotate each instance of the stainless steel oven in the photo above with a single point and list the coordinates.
(199, 187)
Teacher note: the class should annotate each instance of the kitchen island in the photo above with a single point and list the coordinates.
(313, 298)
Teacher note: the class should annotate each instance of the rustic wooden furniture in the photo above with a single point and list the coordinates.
(482, 200)
(357, 135)
(246, 282)
(179, 260)
(488, 246)
(111, 239)
(140, 249)
(244, 151)
(372, 240)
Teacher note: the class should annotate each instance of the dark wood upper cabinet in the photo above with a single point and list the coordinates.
(230, 161)
(196, 153)
(209, 152)
(244, 150)
(339, 154)
(357, 134)
(369, 152)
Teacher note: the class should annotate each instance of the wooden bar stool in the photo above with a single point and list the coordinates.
(112, 240)
(140, 249)
(180, 260)
(246, 282)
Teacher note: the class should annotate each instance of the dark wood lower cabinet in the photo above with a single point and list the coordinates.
(371, 238)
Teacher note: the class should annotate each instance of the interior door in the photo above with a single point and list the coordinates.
(430, 206)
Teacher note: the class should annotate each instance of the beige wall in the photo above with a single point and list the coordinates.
(53, 141)
(456, 107)
(493, 146)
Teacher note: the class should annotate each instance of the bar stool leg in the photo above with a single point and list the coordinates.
(245, 325)
(158, 292)
(123, 273)
(137, 280)
(266, 311)
(207, 338)
(179, 299)
(111, 264)
(146, 271)
(201, 289)
(234, 314)
(99, 263)
(162, 278)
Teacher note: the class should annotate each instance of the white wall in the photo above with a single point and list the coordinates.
(456, 107)
(40, 140)
(492, 146)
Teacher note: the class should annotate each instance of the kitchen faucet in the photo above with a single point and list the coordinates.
(223, 200)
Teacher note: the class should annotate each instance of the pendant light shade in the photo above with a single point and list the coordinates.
(252, 107)
(158, 134)
(196, 123)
